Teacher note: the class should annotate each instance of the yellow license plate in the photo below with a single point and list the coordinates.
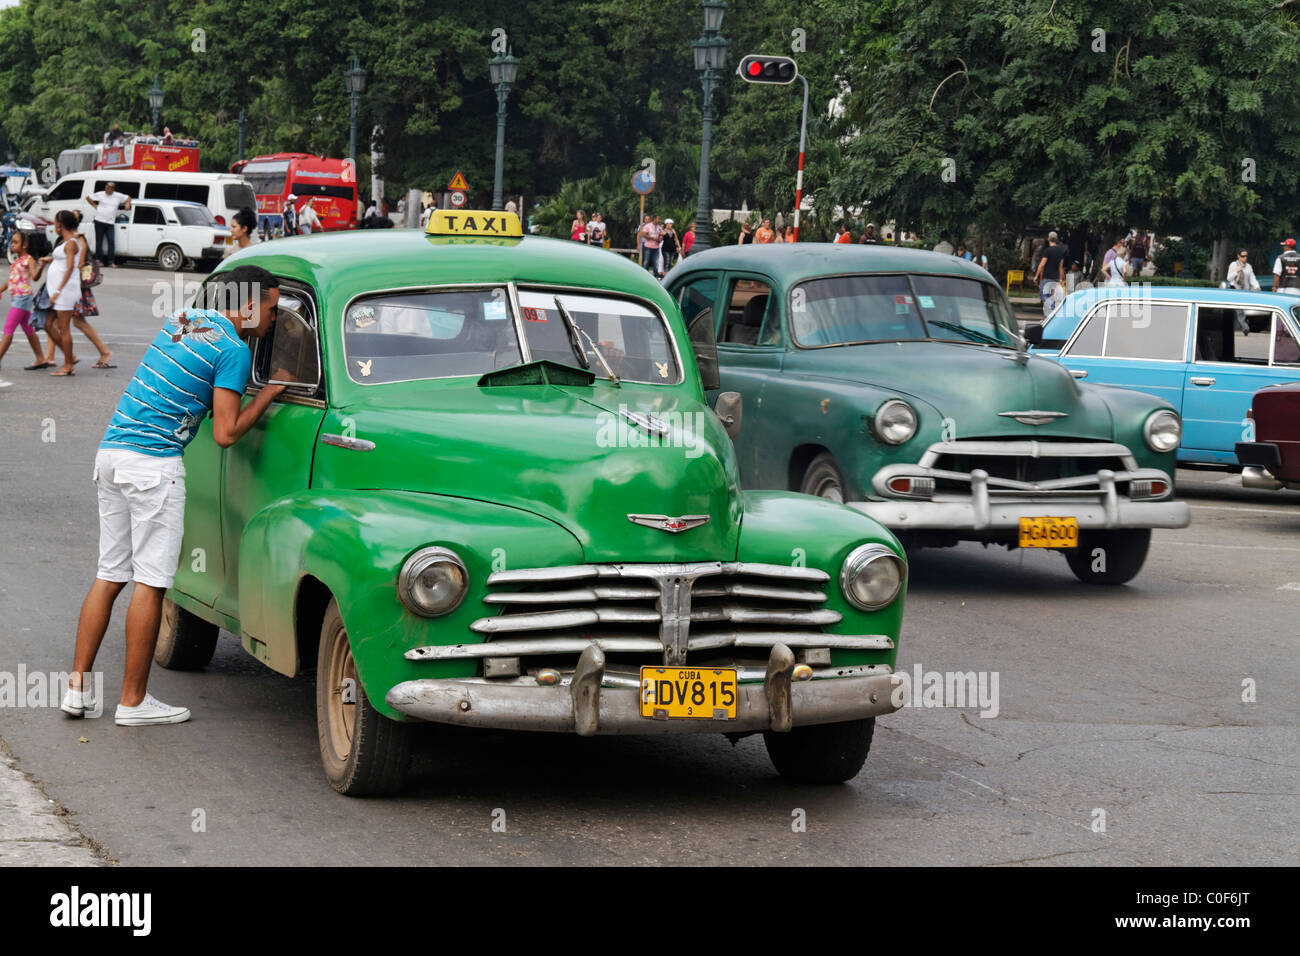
(1049, 532)
(696, 692)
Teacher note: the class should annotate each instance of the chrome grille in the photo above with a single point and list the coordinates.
(654, 613)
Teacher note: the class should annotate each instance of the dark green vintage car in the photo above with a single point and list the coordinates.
(896, 381)
(496, 498)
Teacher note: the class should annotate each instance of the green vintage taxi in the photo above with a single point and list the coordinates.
(896, 381)
(494, 496)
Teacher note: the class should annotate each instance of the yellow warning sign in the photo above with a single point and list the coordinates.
(458, 182)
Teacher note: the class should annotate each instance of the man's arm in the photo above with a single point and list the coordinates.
(229, 423)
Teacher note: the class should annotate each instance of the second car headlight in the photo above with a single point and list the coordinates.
(433, 582)
(895, 422)
(872, 576)
(1163, 430)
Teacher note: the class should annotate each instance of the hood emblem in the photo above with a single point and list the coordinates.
(655, 426)
(666, 523)
(1034, 417)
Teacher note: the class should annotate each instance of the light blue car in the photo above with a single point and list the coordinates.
(1207, 351)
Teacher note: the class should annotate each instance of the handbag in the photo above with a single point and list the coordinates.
(91, 275)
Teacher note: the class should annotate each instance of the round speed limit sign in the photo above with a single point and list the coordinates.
(457, 199)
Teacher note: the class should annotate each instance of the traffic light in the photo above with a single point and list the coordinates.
(768, 69)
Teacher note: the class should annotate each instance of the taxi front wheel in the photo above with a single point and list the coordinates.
(185, 642)
(821, 753)
(363, 752)
(1109, 557)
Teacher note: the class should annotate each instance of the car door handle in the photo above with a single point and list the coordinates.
(1079, 372)
(342, 441)
(1202, 381)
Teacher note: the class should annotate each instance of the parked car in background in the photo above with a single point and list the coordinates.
(1271, 457)
(895, 380)
(494, 496)
(170, 233)
(1205, 351)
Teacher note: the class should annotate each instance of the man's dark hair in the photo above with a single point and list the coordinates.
(230, 290)
(944, 235)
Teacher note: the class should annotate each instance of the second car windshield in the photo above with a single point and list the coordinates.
(842, 310)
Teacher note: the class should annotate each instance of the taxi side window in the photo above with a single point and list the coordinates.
(291, 346)
(1285, 349)
(1139, 329)
(696, 296)
(747, 319)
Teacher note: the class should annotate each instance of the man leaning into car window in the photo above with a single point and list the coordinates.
(199, 361)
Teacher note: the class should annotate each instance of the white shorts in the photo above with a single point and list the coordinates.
(141, 516)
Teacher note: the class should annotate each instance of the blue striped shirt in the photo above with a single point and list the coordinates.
(196, 351)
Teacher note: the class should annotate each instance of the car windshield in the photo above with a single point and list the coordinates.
(195, 216)
(407, 336)
(843, 310)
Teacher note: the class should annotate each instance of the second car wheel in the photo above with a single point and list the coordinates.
(364, 753)
(822, 753)
(170, 257)
(824, 479)
(1109, 557)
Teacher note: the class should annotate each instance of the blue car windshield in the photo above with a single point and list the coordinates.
(843, 310)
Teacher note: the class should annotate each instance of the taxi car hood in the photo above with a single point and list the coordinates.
(973, 385)
(576, 455)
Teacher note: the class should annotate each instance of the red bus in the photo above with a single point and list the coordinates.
(331, 182)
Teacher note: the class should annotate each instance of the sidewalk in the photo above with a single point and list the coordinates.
(33, 830)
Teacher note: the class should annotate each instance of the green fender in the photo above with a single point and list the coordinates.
(354, 543)
(800, 530)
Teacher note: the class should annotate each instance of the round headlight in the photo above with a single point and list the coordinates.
(433, 582)
(872, 576)
(895, 422)
(1163, 430)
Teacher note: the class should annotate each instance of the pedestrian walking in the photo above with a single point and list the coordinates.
(308, 221)
(746, 234)
(1116, 268)
(86, 307)
(22, 270)
(199, 362)
(961, 252)
(1137, 250)
(869, 235)
(979, 258)
(106, 203)
(765, 233)
(578, 228)
(668, 247)
(843, 235)
(790, 234)
(1050, 275)
(651, 234)
(241, 231)
(688, 239)
(596, 230)
(63, 288)
(1241, 275)
(290, 215)
(943, 245)
(1286, 270)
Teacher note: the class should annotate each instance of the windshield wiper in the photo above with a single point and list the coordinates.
(575, 333)
(973, 334)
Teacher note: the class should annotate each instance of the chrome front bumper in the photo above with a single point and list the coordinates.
(589, 705)
(998, 504)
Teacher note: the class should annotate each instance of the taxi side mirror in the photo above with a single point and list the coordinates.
(728, 408)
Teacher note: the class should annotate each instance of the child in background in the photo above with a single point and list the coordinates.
(23, 268)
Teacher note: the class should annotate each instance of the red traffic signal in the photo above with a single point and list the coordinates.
(768, 69)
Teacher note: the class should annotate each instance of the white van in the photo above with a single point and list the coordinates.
(223, 193)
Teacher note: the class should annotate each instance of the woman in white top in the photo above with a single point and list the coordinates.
(63, 283)
(1114, 270)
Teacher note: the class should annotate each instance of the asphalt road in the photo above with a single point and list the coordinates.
(1126, 700)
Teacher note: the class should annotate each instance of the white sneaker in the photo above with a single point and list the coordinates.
(150, 711)
(77, 702)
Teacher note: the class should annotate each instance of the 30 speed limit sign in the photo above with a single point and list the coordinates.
(457, 199)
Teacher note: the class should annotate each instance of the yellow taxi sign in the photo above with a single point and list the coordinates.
(474, 222)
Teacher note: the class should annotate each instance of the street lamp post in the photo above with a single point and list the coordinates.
(710, 57)
(241, 134)
(503, 70)
(354, 78)
(156, 96)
